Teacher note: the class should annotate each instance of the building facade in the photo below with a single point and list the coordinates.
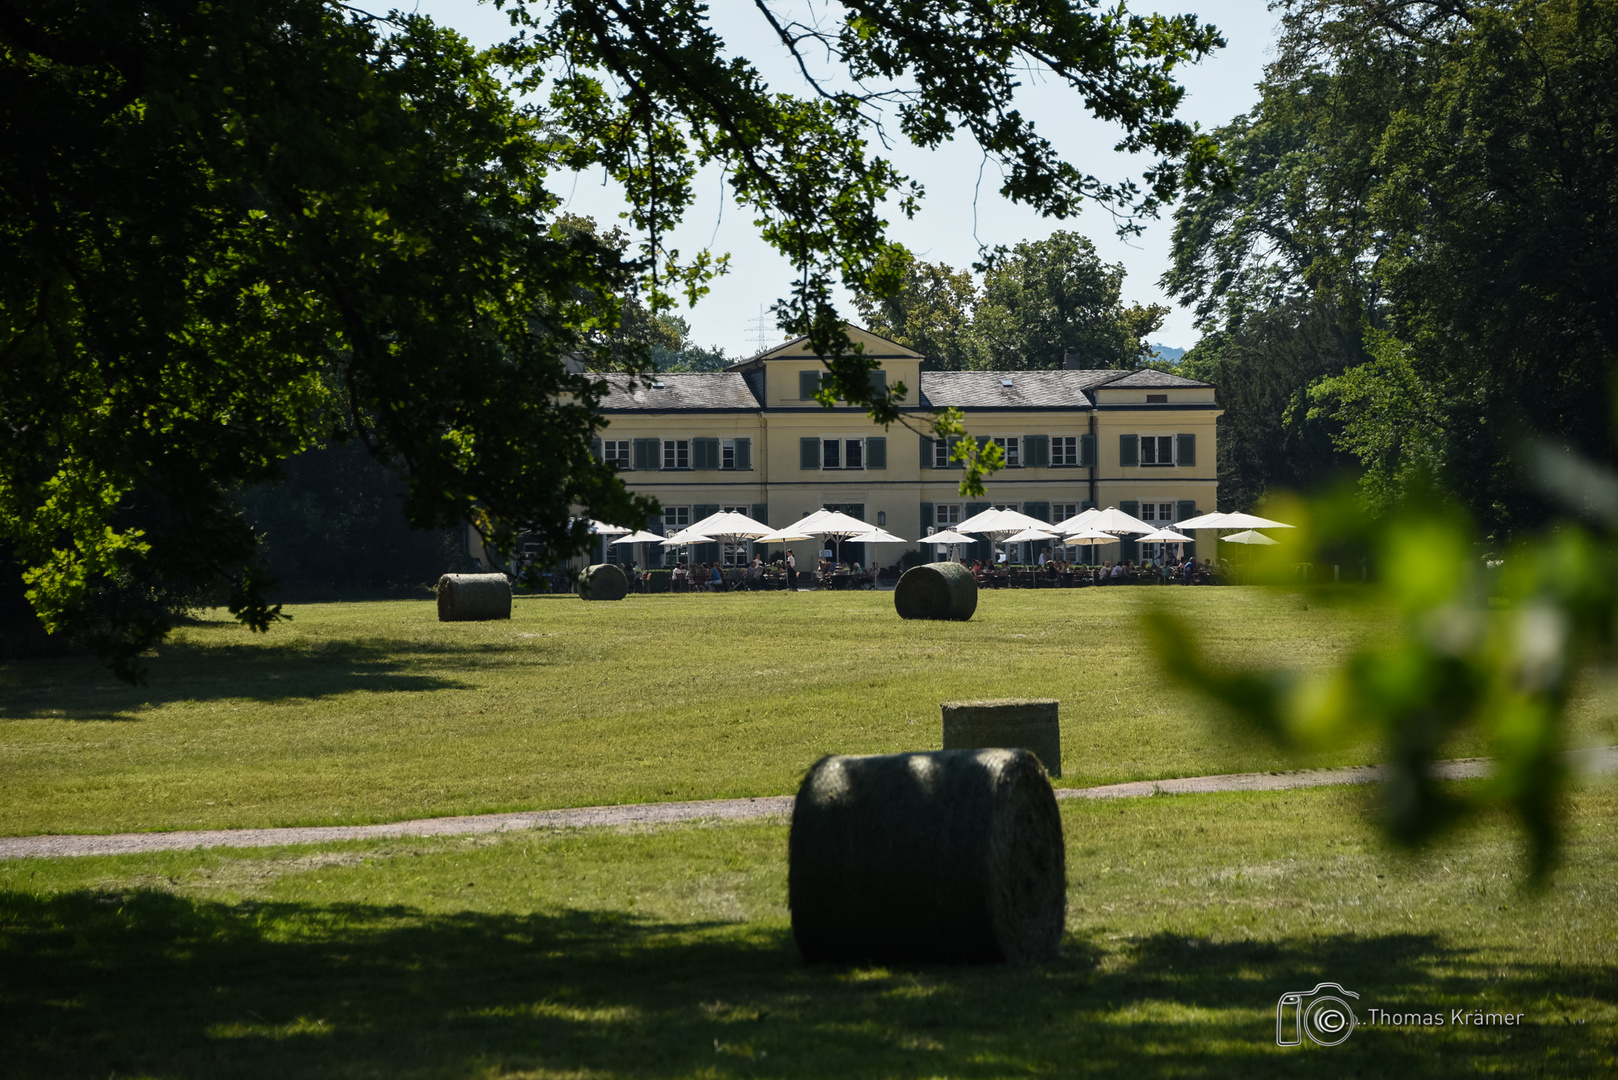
(753, 439)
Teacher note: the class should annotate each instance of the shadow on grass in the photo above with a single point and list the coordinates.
(98, 984)
(81, 688)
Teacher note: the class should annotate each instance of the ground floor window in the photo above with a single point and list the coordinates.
(736, 554)
(1161, 515)
(675, 518)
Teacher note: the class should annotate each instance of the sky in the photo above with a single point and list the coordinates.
(960, 210)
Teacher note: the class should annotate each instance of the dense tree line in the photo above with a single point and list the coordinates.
(1408, 272)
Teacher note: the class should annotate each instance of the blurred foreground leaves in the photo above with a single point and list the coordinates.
(1491, 645)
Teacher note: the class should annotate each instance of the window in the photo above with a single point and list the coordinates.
(735, 554)
(842, 453)
(1160, 514)
(1011, 446)
(676, 453)
(616, 452)
(675, 518)
(736, 454)
(1063, 511)
(1064, 450)
(1157, 450)
(947, 515)
(941, 449)
(1157, 399)
(808, 384)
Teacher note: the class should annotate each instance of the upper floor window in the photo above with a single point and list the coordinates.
(676, 453)
(1064, 450)
(616, 452)
(1011, 446)
(1157, 449)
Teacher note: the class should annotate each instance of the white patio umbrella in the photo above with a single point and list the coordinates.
(1252, 521)
(785, 535)
(1077, 522)
(1214, 520)
(1217, 520)
(730, 527)
(1090, 538)
(833, 525)
(878, 536)
(1114, 520)
(1250, 537)
(639, 537)
(949, 538)
(997, 525)
(1165, 536)
(601, 528)
(1030, 535)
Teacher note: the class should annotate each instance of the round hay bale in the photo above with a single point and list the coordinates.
(942, 590)
(473, 597)
(603, 581)
(953, 856)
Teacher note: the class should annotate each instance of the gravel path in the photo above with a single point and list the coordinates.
(1602, 761)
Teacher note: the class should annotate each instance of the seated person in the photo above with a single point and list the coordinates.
(716, 579)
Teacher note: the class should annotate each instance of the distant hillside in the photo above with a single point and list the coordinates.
(1167, 352)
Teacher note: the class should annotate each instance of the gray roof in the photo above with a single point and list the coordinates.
(684, 391)
(1156, 380)
(1028, 389)
(698, 391)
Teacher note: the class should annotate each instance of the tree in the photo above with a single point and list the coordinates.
(930, 311)
(1046, 298)
(1443, 173)
(1039, 301)
(233, 229)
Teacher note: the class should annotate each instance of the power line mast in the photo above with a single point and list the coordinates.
(761, 330)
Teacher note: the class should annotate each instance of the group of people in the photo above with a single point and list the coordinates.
(1164, 569)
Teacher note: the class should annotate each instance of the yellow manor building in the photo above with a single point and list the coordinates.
(752, 439)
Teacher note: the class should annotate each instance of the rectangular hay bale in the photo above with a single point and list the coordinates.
(1012, 723)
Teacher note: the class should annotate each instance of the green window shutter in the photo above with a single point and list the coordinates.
(1131, 546)
(1040, 510)
(705, 453)
(983, 440)
(1036, 451)
(926, 517)
(595, 449)
(654, 522)
(1129, 449)
(761, 513)
(744, 455)
(1086, 505)
(701, 511)
(926, 451)
(809, 454)
(1087, 451)
(876, 453)
(648, 453)
(808, 384)
(879, 382)
(1187, 450)
(953, 439)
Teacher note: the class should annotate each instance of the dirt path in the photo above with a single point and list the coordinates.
(1601, 761)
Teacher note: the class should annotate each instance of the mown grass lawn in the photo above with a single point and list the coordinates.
(667, 953)
(376, 711)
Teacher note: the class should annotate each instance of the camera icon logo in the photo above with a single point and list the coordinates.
(1321, 1014)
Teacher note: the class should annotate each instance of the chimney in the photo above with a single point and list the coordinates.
(1071, 362)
